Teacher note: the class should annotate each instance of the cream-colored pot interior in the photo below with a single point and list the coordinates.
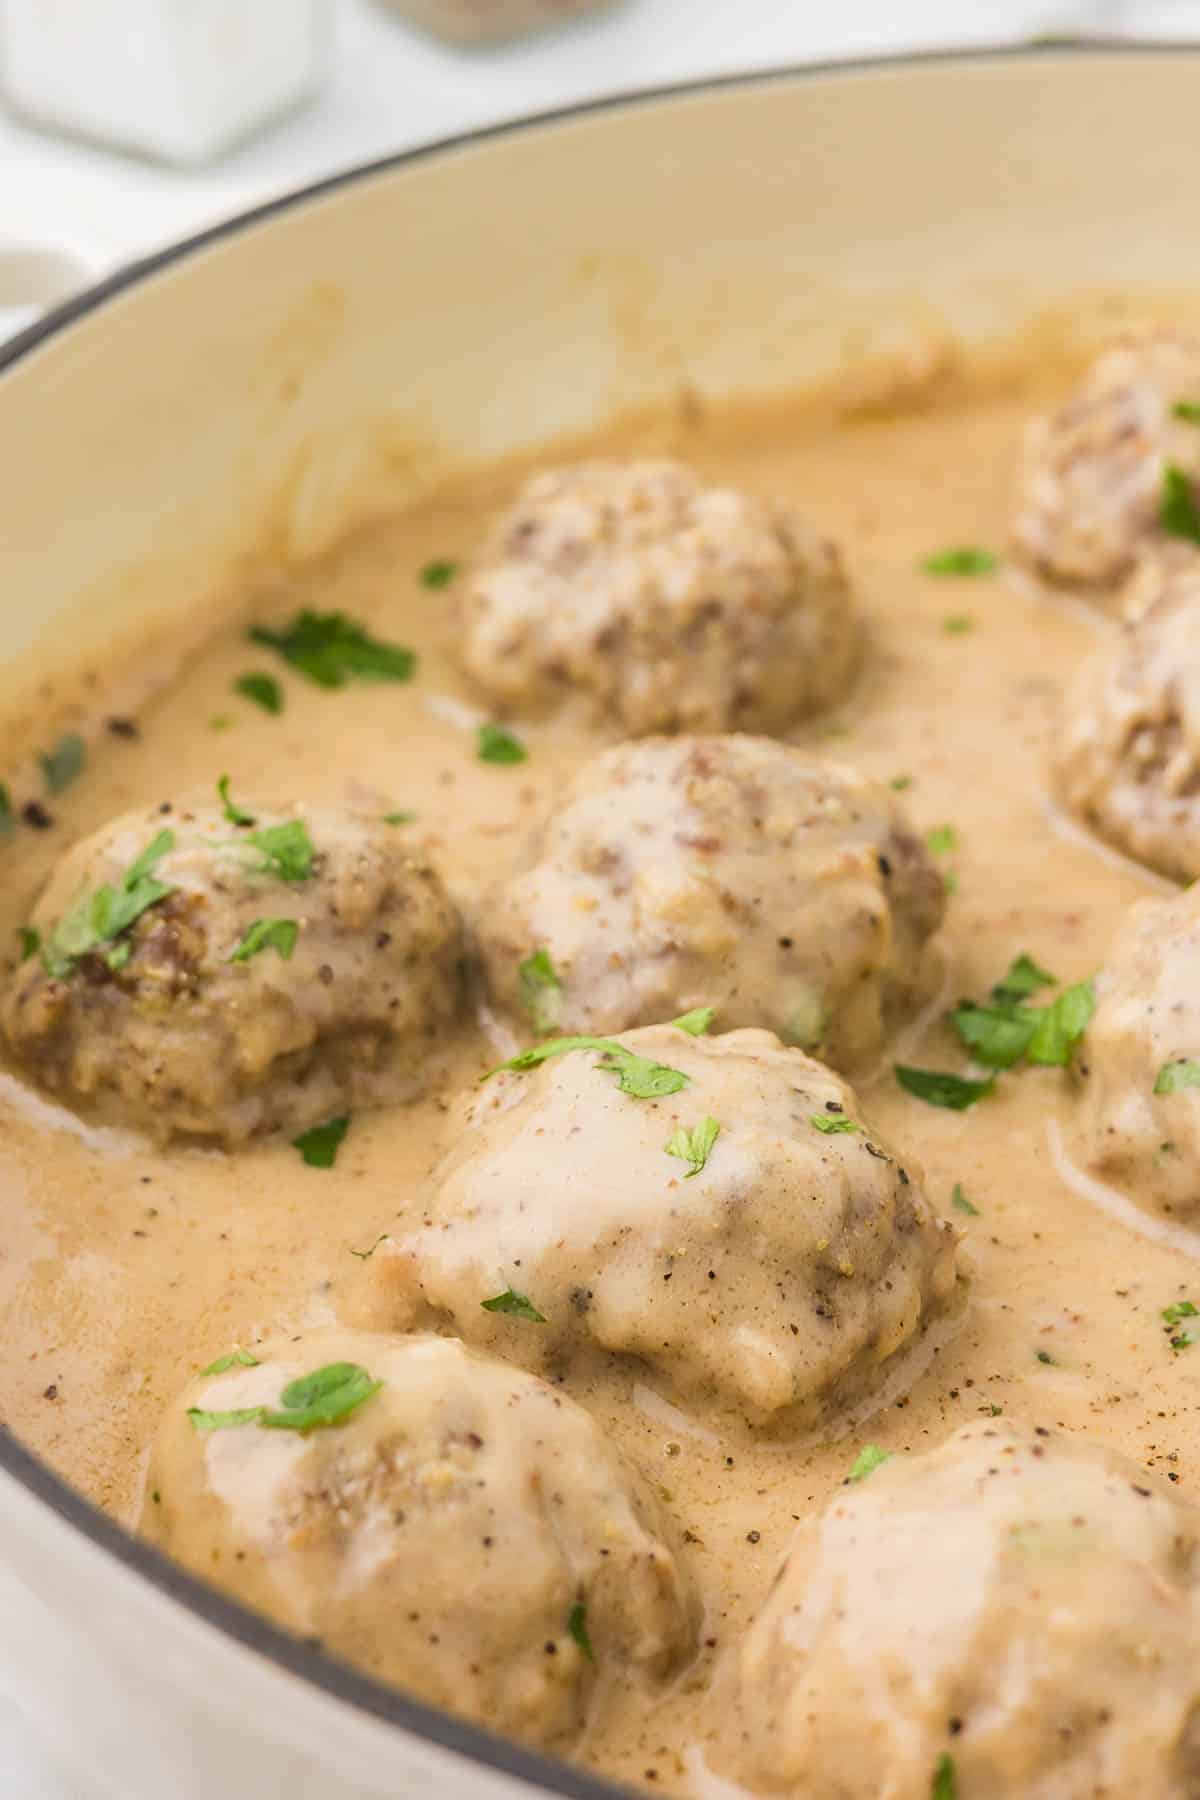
(256, 392)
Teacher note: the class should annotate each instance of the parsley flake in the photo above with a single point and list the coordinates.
(1061, 1025)
(320, 1145)
(262, 689)
(636, 1075)
(957, 624)
(541, 990)
(499, 746)
(237, 815)
(898, 783)
(64, 764)
(366, 1255)
(1187, 410)
(236, 1359)
(517, 1306)
(697, 1022)
(1182, 1072)
(960, 1202)
(1002, 1033)
(325, 1397)
(1178, 512)
(439, 573)
(203, 1420)
(831, 1123)
(577, 1626)
(869, 1458)
(268, 934)
(8, 823)
(939, 1088)
(945, 1780)
(942, 839)
(101, 918)
(694, 1146)
(287, 849)
(961, 559)
(399, 818)
(30, 941)
(331, 649)
(1024, 977)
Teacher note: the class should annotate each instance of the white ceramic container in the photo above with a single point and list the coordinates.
(182, 80)
(277, 378)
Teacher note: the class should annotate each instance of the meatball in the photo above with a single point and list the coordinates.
(1137, 1118)
(206, 979)
(1091, 483)
(1017, 1610)
(1128, 754)
(730, 872)
(666, 605)
(457, 1527)
(715, 1208)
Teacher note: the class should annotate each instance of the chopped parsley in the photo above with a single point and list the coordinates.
(263, 689)
(1024, 977)
(101, 919)
(938, 1088)
(1182, 1072)
(326, 1397)
(499, 746)
(1187, 410)
(830, 1123)
(1061, 1025)
(694, 1146)
(220, 722)
(961, 1203)
(268, 934)
(64, 764)
(577, 1626)
(287, 849)
(956, 624)
(237, 815)
(30, 941)
(1003, 1031)
(945, 1780)
(961, 559)
(320, 1145)
(399, 818)
(331, 649)
(1172, 1316)
(517, 1306)
(898, 783)
(1178, 512)
(1044, 1356)
(236, 1359)
(203, 1420)
(366, 1255)
(942, 839)
(636, 1075)
(8, 823)
(439, 573)
(869, 1458)
(696, 1022)
(541, 990)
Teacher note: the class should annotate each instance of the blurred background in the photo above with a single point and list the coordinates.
(125, 124)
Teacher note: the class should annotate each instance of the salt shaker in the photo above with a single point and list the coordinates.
(180, 80)
(478, 21)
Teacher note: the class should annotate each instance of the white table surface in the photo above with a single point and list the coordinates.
(390, 88)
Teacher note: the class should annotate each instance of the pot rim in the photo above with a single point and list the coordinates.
(392, 1706)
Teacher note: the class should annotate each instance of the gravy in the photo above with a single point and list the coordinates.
(124, 1268)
